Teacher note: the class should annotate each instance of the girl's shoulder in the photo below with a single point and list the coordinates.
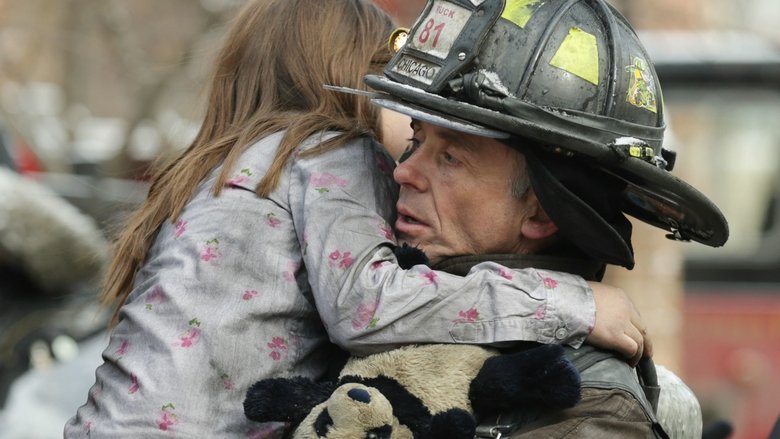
(266, 147)
(254, 162)
(319, 138)
(363, 149)
(258, 157)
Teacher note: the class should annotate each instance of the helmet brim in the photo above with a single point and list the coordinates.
(446, 121)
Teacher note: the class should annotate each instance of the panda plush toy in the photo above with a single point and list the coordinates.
(418, 391)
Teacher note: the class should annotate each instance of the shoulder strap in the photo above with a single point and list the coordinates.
(648, 379)
(603, 369)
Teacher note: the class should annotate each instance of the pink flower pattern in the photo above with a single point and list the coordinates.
(240, 178)
(181, 227)
(249, 294)
(540, 312)
(376, 265)
(134, 386)
(431, 277)
(505, 273)
(167, 418)
(94, 392)
(550, 283)
(278, 347)
(340, 260)
(210, 251)
(156, 296)
(272, 220)
(88, 427)
(227, 382)
(365, 316)
(385, 230)
(470, 315)
(191, 336)
(325, 181)
(121, 350)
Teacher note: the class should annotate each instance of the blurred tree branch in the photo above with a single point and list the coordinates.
(150, 83)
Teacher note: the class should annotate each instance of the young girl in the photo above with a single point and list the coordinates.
(270, 237)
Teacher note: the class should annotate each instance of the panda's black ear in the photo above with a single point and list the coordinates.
(285, 399)
(408, 256)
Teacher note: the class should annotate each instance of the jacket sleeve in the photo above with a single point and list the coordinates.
(343, 204)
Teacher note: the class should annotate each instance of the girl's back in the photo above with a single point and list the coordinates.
(223, 299)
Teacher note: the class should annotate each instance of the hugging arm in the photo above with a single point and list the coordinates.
(344, 205)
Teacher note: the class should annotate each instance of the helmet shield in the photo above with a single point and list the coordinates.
(571, 76)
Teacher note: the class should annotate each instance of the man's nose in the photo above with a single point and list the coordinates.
(409, 172)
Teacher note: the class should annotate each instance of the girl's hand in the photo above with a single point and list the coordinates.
(618, 324)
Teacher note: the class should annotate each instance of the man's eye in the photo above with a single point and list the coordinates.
(450, 159)
(410, 149)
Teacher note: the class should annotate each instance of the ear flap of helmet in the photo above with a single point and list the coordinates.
(582, 208)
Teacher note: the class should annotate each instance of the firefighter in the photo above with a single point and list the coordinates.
(564, 90)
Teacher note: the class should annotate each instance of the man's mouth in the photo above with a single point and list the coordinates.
(407, 223)
(409, 219)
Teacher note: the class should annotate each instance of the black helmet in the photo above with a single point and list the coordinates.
(570, 77)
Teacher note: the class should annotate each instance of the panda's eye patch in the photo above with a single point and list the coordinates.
(323, 423)
(360, 395)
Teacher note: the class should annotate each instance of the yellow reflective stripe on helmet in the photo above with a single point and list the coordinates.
(520, 11)
(579, 55)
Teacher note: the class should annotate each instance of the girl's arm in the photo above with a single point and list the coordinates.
(343, 206)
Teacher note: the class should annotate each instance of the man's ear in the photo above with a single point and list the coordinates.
(538, 224)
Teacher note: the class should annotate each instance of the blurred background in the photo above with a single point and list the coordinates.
(93, 92)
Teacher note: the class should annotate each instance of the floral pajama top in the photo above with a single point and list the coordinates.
(243, 288)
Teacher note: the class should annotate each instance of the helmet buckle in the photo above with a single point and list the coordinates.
(625, 147)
